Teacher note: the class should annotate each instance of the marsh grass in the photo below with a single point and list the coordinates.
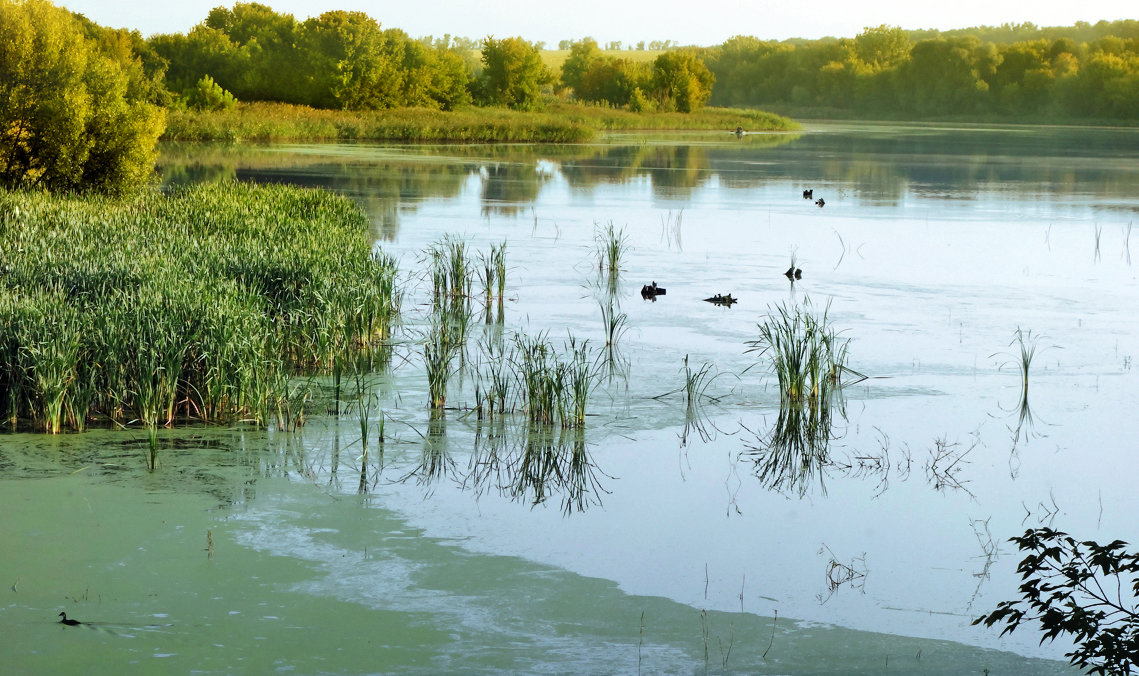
(614, 325)
(554, 388)
(263, 121)
(806, 353)
(695, 392)
(1026, 346)
(199, 304)
(492, 273)
(611, 246)
(808, 359)
(558, 123)
(439, 352)
(452, 269)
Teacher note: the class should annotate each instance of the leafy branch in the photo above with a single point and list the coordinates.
(1078, 589)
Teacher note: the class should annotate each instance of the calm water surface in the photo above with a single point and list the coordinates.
(659, 540)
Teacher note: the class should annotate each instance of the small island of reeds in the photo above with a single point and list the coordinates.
(558, 123)
(194, 305)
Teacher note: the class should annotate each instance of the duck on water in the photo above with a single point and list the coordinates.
(70, 623)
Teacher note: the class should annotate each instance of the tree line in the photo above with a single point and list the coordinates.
(347, 60)
(1014, 71)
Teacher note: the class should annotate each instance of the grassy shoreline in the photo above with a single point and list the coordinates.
(559, 123)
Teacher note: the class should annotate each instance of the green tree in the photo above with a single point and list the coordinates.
(69, 119)
(613, 81)
(944, 77)
(513, 73)
(583, 54)
(347, 62)
(267, 42)
(201, 52)
(681, 81)
(882, 47)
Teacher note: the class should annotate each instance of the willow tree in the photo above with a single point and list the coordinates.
(70, 116)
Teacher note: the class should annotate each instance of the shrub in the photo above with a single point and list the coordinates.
(70, 119)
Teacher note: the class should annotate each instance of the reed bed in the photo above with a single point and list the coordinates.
(199, 304)
(558, 123)
(707, 118)
(492, 274)
(264, 121)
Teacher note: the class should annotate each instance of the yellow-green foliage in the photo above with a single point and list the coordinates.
(1012, 72)
(72, 114)
(199, 303)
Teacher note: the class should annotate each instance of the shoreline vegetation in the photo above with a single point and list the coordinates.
(557, 123)
(198, 305)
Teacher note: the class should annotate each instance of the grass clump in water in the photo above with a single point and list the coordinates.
(554, 388)
(809, 361)
(612, 246)
(806, 353)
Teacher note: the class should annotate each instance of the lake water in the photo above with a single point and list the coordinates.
(659, 539)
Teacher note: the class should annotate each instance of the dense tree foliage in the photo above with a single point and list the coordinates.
(513, 73)
(1017, 71)
(77, 107)
(674, 81)
(340, 59)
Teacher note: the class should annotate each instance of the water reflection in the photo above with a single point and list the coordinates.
(508, 189)
(795, 454)
(533, 464)
(884, 166)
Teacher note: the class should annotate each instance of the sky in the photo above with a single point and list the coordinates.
(686, 22)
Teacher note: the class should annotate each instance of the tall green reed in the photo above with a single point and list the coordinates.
(805, 351)
(611, 246)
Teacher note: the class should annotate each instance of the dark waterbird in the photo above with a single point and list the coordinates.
(793, 273)
(821, 202)
(70, 623)
(808, 194)
(652, 291)
(721, 300)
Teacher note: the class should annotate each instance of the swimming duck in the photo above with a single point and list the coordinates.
(808, 194)
(721, 300)
(70, 623)
(821, 202)
(652, 291)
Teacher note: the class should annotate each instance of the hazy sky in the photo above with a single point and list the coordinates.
(699, 22)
